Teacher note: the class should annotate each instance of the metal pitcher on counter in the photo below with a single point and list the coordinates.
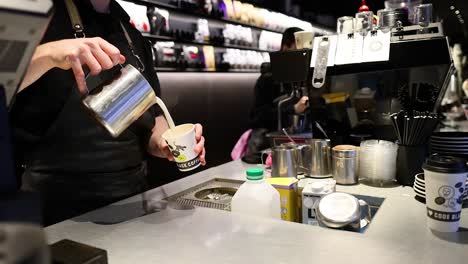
(302, 156)
(284, 161)
(120, 101)
(312, 158)
(318, 158)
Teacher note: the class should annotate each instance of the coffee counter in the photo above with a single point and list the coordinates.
(397, 234)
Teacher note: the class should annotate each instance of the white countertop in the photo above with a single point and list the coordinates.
(397, 234)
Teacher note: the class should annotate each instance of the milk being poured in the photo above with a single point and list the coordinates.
(169, 119)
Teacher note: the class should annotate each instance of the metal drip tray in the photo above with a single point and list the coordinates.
(216, 193)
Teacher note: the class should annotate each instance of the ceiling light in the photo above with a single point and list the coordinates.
(452, 7)
(457, 12)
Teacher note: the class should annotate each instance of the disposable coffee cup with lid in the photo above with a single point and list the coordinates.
(445, 178)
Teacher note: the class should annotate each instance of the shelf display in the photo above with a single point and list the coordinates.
(138, 15)
(244, 59)
(237, 35)
(214, 41)
(260, 17)
(170, 55)
(166, 54)
(158, 19)
(192, 57)
(242, 28)
(203, 32)
(269, 40)
(209, 58)
(236, 12)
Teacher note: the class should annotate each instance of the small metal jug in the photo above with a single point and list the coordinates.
(320, 159)
(303, 156)
(120, 101)
(284, 162)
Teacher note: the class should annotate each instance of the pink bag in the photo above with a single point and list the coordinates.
(268, 161)
(240, 149)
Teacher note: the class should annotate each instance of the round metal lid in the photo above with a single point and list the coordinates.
(339, 208)
(345, 151)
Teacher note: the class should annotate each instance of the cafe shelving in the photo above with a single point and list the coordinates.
(183, 19)
(228, 46)
(175, 9)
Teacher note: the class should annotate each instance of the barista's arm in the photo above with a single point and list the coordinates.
(296, 106)
(158, 147)
(66, 54)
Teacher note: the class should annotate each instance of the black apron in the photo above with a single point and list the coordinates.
(78, 166)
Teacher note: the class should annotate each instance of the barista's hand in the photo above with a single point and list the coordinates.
(96, 53)
(159, 148)
(67, 54)
(200, 147)
(302, 105)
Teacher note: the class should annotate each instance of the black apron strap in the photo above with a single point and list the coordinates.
(75, 19)
(141, 66)
(78, 28)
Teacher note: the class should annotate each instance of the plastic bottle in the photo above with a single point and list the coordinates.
(256, 197)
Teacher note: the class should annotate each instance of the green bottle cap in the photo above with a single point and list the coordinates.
(254, 174)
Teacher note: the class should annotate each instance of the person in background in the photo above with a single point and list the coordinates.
(268, 93)
(264, 115)
(73, 162)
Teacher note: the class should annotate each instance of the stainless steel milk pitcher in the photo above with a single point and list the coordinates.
(284, 161)
(122, 100)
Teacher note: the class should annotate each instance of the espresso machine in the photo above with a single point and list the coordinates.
(291, 68)
(410, 78)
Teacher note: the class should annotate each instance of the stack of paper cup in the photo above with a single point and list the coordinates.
(377, 162)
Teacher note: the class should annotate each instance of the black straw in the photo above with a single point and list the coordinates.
(414, 128)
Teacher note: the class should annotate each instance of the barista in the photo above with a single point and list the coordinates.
(67, 156)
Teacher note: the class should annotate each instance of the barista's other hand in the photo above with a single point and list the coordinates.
(302, 105)
(200, 147)
(163, 150)
(96, 53)
(158, 146)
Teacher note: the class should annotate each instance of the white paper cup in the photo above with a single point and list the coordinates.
(304, 39)
(445, 186)
(181, 141)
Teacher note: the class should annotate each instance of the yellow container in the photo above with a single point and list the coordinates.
(287, 188)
